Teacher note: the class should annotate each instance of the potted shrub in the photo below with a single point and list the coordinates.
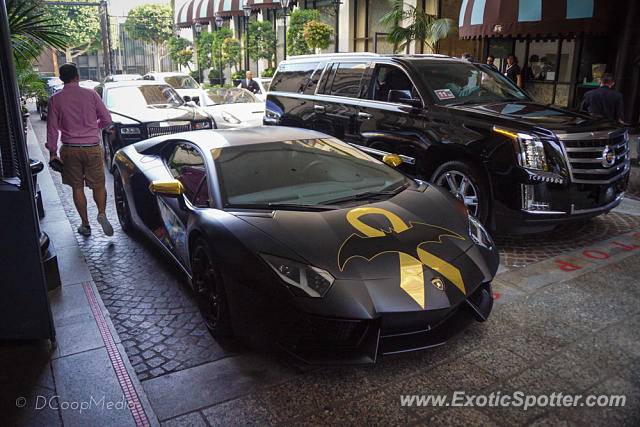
(237, 77)
(317, 35)
(214, 77)
(268, 72)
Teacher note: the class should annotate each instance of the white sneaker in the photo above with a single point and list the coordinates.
(106, 226)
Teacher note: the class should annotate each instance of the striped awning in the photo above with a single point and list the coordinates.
(184, 18)
(228, 8)
(532, 18)
(264, 4)
(205, 10)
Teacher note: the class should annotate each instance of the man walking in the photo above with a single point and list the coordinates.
(513, 72)
(250, 84)
(78, 114)
(604, 101)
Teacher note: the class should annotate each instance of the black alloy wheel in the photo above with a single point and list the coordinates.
(108, 154)
(467, 183)
(207, 284)
(122, 205)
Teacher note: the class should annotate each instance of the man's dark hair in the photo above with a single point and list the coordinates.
(511, 55)
(466, 55)
(68, 72)
(607, 79)
(493, 58)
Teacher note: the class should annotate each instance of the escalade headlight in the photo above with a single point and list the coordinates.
(314, 282)
(130, 130)
(529, 148)
(202, 125)
(479, 234)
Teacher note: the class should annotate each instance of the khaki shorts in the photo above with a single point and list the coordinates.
(82, 164)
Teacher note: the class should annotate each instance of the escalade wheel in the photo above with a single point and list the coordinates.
(467, 184)
(210, 292)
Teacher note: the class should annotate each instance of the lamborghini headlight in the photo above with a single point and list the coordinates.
(230, 118)
(479, 234)
(314, 282)
(529, 148)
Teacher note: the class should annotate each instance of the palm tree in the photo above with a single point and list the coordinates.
(423, 28)
(30, 30)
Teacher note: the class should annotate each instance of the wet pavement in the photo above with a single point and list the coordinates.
(190, 377)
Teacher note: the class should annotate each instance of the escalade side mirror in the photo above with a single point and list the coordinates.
(404, 97)
(186, 98)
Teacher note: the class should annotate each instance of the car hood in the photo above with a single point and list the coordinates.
(243, 112)
(158, 113)
(537, 115)
(364, 241)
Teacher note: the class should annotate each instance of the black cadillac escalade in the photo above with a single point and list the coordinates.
(518, 165)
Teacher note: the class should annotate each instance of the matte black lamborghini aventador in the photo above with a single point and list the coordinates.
(295, 236)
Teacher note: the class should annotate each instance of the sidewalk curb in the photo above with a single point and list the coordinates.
(35, 151)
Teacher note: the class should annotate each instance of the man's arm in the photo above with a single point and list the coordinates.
(53, 128)
(104, 117)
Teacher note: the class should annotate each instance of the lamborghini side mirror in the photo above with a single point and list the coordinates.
(392, 160)
(170, 188)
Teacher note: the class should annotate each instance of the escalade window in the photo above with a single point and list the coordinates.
(347, 79)
(292, 77)
(387, 78)
(455, 82)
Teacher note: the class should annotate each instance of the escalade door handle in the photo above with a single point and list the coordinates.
(319, 108)
(365, 116)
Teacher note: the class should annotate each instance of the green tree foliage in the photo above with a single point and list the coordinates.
(180, 51)
(317, 35)
(81, 25)
(232, 52)
(209, 45)
(262, 42)
(31, 29)
(296, 44)
(151, 23)
(423, 28)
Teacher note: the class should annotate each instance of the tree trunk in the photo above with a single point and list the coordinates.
(156, 57)
(67, 54)
(54, 57)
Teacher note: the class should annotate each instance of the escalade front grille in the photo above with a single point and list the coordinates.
(588, 159)
(167, 128)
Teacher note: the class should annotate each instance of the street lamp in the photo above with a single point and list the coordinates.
(218, 25)
(198, 28)
(246, 9)
(285, 10)
(336, 8)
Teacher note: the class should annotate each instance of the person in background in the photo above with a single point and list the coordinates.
(250, 84)
(490, 62)
(604, 101)
(513, 72)
(77, 114)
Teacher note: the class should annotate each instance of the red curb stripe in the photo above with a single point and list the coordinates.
(133, 402)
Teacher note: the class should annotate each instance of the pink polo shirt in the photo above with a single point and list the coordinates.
(77, 114)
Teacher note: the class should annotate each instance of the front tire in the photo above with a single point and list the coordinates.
(122, 205)
(43, 116)
(467, 183)
(210, 292)
(108, 154)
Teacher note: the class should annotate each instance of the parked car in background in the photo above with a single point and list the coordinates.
(143, 109)
(233, 107)
(184, 84)
(42, 103)
(89, 84)
(294, 239)
(518, 165)
(121, 78)
(264, 83)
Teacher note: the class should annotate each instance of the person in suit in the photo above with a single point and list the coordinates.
(250, 84)
(605, 101)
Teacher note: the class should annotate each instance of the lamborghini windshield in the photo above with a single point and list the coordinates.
(308, 172)
(464, 82)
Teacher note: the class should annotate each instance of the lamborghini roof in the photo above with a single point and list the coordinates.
(211, 139)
